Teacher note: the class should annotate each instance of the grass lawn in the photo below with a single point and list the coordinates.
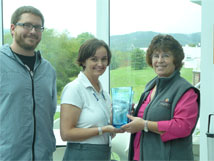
(56, 116)
(125, 76)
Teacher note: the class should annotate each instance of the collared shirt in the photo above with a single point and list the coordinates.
(95, 106)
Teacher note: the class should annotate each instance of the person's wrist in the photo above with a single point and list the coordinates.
(100, 131)
(146, 126)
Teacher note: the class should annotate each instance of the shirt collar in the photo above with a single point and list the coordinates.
(86, 83)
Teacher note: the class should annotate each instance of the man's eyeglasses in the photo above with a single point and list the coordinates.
(29, 26)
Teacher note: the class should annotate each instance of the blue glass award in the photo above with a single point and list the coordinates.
(121, 105)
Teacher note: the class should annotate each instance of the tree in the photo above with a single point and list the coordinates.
(8, 38)
(120, 59)
(138, 59)
(83, 37)
(62, 51)
(192, 45)
(114, 62)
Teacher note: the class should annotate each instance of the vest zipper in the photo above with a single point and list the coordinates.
(34, 117)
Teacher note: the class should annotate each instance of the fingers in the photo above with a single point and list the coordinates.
(119, 130)
(130, 117)
(112, 129)
(126, 127)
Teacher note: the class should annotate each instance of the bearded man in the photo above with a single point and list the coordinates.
(27, 92)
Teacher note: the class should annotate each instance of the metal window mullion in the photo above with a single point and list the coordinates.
(1, 24)
(103, 32)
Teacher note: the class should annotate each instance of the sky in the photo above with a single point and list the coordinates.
(126, 16)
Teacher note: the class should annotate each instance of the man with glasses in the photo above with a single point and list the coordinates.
(27, 92)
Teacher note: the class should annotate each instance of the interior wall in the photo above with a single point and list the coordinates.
(207, 73)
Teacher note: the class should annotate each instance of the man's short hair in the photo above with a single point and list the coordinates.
(25, 9)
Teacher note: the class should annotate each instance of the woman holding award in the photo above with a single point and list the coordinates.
(168, 109)
(86, 107)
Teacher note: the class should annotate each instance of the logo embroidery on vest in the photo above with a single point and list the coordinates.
(165, 103)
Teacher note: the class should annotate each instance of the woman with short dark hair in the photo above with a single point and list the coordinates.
(168, 110)
(86, 107)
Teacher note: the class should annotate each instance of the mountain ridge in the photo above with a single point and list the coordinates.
(142, 39)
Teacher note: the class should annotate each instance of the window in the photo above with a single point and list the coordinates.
(67, 25)
(133, 24)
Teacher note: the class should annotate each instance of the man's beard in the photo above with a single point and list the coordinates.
(26, 46)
